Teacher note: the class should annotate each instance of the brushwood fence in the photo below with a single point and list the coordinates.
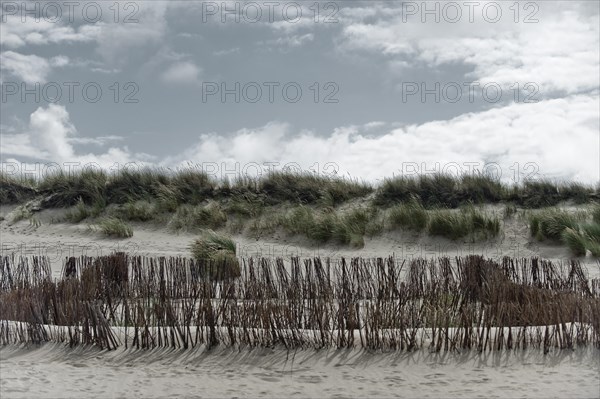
(381, 303)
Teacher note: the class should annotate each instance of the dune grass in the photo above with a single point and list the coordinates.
(64, 190)
(410, 216)
(114, 227)
(81, 211)
(551, 222)
(14, 190)
(323, 209)
(307, 188)
(138, 211)
(321, 226)
(193, 217)
(193, 186)
(596, 213)
(216, 256)
(574, 240)
(573, 229)
(465, 222)
(439, 190)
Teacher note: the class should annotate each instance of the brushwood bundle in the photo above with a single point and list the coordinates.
(379, 304)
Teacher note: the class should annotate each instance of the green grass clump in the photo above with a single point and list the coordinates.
(245, 206)
(14, 190)
(167, 199)
(307, 188)
(320, 228)
(440, 190)
(466, 222)
(448, 224)
(81, 211)
(216, 256)
(326, 225)
(550, 223)
(545, 193)
(356, 220)
(355, 224)
(591, 237)
(130, 185)
(569, 228)
(193, 186)
(410, 216)
(576, 192)
(537, 194)
(64, 190)
(188, 217)
(139, 211)
(596, 213)
(591, 230)
(299, 220)
(479, 189)
(114, 227)
(574, 240)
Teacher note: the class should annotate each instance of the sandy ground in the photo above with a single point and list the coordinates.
(59, 240)
(57, 371)
(54, 370)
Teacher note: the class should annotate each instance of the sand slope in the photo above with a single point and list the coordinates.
(59, 240)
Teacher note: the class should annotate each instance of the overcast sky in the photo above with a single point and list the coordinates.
(370, 89)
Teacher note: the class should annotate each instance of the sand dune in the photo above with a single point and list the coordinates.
(55, 370)
(59, 240)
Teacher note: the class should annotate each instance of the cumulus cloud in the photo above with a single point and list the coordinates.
(114, 39)
(560, 52)
(50, 129)
(50, 136)
(557, 138)
(30, 68)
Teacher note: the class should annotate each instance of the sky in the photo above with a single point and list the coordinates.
(359, 89)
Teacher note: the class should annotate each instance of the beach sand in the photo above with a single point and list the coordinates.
(57, 371)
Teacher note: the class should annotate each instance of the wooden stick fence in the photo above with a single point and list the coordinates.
(379, 304)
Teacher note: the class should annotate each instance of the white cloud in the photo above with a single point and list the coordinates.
(117, 40)
(114, 40)
(50, 136)
(184, 72)
(30, 68)
(15, 33)
(50, 129)
(559, 53)
(559, 136)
